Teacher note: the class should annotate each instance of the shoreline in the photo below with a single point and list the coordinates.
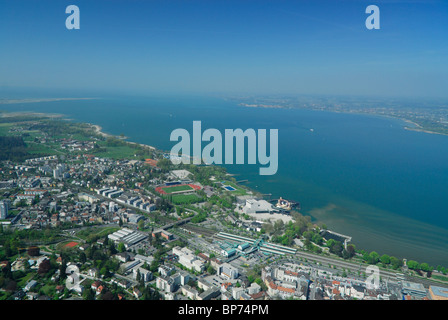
(98, 130)
(36, 100)
(418, 129)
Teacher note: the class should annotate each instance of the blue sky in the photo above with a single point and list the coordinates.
(247, 47)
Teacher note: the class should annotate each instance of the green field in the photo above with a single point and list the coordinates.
(117, 152)
(4, 128)
(96, 231)
(169, 190)
(185, 198)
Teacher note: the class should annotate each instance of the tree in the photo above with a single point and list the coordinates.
(82, 257)
(425, 267)
(317, 239)
(88, 294)
(154, 265)
(385, 259)
(413, 265)
(105, 272)
(108, 295)
(112, 249)
(7, 249)
(351, 250)
(121, 247)
(44, 267)
(373, 257)
(396, 263)
(337, 248)
(210, 270)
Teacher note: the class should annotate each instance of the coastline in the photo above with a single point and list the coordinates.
(15, 101)
(98, 130)
(418, 128)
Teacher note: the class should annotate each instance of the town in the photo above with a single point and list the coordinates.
(86, 216)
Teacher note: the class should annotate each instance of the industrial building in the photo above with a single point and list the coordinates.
(127, 237)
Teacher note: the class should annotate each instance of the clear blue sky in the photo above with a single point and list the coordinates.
(227, 47)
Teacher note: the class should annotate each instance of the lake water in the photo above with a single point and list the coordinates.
(364, 176)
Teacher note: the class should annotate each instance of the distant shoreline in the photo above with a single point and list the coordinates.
(14, 101)
(418, 129)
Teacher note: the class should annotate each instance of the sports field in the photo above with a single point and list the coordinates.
(71, 244)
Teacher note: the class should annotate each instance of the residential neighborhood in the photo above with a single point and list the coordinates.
(81, 225)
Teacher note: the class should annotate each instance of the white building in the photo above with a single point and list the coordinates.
(228, 271)
(189, 292)
(188, 259)
(3, 209)
(258, 206)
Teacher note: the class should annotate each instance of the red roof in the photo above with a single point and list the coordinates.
(290, 290)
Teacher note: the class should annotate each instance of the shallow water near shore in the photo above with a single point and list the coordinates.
(364, 176)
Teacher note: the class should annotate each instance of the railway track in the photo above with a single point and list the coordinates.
(199, 230)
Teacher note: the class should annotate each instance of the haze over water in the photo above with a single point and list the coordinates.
(364, 176)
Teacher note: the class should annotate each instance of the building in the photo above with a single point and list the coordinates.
(413, 289)
(129, 265)
(163, 233)
(188, 259)
(253, 289)
(228, 271)
(180, 174)
(185, 277)
(58, 171)
(258, 206)
(209, 294)
(237, 292)
(87, 197)
(135, 218)
(165, 270)
(228, 253)
(166, 284)
(113, 206)
(203, 284)
(145, 275)
(189, 292)
(30, 285)
(128, 237)
(3, 209)
(438, 293)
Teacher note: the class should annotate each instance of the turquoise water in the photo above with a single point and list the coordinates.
(364, 176)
